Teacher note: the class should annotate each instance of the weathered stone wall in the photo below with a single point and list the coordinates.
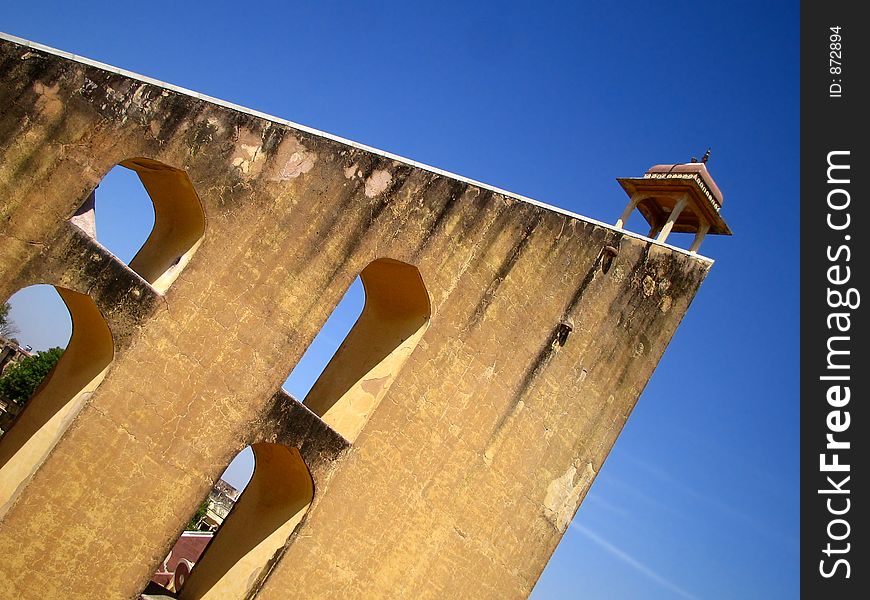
(466, 476)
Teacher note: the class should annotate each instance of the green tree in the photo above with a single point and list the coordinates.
(20, 381)
(7, 327)
(197, 517)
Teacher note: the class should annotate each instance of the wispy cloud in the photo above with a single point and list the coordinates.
(726, 509)
(593, 498)
(633, 562)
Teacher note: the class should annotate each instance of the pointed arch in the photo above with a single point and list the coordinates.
(179, 221)
(393, 320)
(256, 529)
(58, 398)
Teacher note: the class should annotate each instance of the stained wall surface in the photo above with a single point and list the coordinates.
(479, 444)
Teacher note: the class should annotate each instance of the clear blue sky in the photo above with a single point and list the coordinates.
(699, 498)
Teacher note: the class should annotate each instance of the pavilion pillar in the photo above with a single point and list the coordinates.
(632, 204)
(703, 228)
(675, 214)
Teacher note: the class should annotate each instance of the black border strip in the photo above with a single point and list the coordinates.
(835, 259)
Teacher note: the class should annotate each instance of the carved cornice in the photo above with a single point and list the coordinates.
(694, 177)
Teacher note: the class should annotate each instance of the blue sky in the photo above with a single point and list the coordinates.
(699, 497)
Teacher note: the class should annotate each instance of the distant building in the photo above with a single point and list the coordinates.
(11, 354)
(190, 545)
(220, 501)
(184, 554)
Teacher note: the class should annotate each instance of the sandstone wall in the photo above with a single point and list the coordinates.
(484, 439)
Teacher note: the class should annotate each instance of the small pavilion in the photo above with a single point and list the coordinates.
(676, 198)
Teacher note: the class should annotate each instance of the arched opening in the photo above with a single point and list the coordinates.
(326, 343)
(393, 319)
(256, 529)
(200, 529)
(58, 398)
(175, 211)
(35, 327)
(126, 213)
